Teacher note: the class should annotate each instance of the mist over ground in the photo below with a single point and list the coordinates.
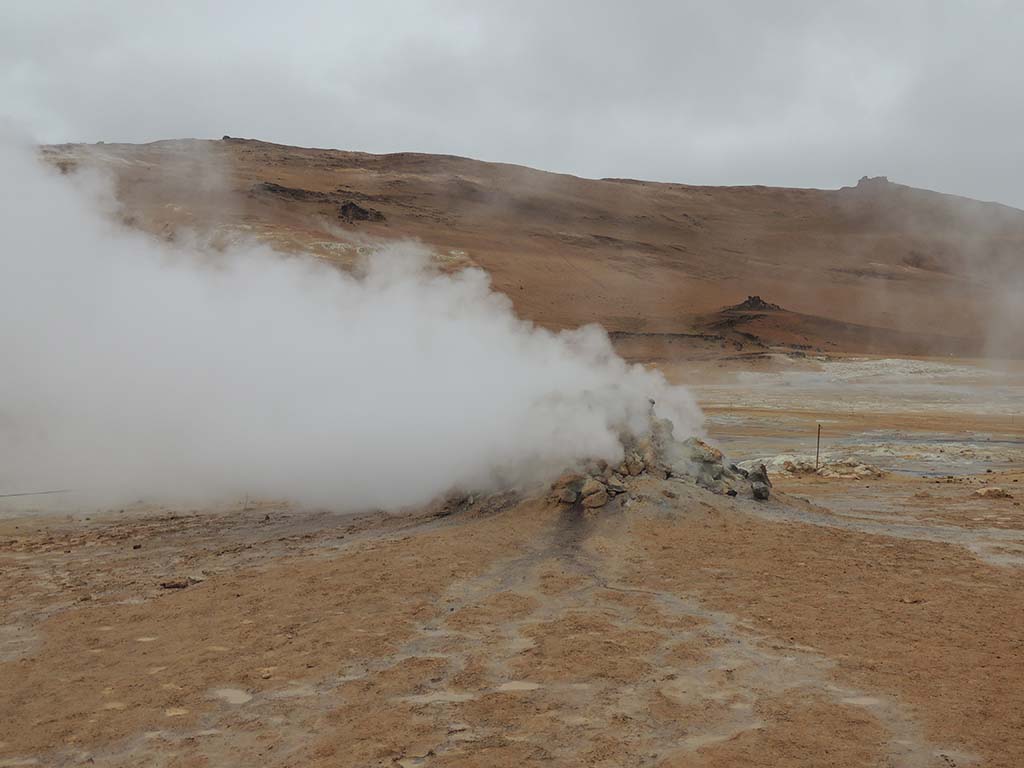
(139, 368)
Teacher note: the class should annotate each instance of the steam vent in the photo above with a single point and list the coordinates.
(319, 449)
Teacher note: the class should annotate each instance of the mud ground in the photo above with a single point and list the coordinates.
(845, 622)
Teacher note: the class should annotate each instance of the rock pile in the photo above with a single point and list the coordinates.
(660, 454)
(593, 489)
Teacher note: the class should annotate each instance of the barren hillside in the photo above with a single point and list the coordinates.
(876, 267)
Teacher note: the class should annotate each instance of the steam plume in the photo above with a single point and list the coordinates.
(133, 367)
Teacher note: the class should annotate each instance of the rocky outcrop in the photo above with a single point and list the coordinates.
(754, 304)
(660, 454)
(760, 485)
(289, 193)
(351, 211)
(589, 490)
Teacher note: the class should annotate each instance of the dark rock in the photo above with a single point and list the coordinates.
(176, 583)
(290, 193)
(760, 490)
(755, 304)
(759, 475)
(350, 211)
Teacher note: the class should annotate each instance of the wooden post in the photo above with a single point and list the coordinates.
(817, 449)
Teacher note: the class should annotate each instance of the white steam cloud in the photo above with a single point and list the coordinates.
(136, 368)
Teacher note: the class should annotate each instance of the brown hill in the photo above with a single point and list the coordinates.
(875, 267)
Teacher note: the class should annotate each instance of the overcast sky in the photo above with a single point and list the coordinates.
(783, 93)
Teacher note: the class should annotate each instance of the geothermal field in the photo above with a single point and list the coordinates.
(323, 458)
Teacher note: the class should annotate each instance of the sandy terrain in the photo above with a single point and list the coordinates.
(872, 619)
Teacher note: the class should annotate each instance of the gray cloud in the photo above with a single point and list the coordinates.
(787, 93)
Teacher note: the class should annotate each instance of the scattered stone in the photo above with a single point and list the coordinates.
(590, 487)
(759, 475)
(647, 452)
(569, 479)
(566, 489)
(615, 484)
(696, 459)
(760, 490)
(634, 465)
(566, 496)
(691, 459)
(594, 500)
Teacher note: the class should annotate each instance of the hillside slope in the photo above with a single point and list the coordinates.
(922, 271)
